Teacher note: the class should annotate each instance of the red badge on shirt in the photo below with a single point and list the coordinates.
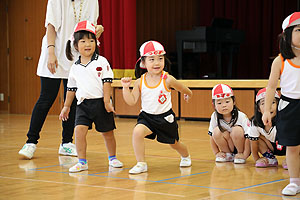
(162, 98)
(99, 69)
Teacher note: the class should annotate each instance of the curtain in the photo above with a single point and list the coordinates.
(118, 41)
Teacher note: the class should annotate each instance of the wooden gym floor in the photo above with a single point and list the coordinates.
(46, 175)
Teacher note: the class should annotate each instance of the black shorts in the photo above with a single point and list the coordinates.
(279, 150)
(163, 126)
(93, 111)
(288, 121)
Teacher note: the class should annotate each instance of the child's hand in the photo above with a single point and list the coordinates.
(186, 97)
(64, 114)
(267, 118)
(126, 81)
(109, 107)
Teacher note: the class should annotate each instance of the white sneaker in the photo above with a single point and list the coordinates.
(67, 149)
(28, 150)
(239, 161)
(115, 163)
(185, 162)
(291, 189)
(140, 167)
(78, 167)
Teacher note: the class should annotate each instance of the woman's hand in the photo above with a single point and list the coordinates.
(52, 62)
(99, 30)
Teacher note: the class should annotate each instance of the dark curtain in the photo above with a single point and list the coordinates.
(261, 21)
(118, 42)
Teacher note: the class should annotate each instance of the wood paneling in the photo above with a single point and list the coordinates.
(46, 176)
(26, 30)
(200, 106)
(3, 57)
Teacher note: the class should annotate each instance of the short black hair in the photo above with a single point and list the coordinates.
(285, 43)
(78, 36)
(140, 71)
(257, 118)
(234, 114)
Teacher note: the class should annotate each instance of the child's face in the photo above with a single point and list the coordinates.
(273, 107)
(86, 47)
(224, 106)
(154, 64)
(296, 36)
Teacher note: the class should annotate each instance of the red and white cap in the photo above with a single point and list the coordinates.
(221, 91)
(291, 20)
(151, 48)
(85, 26)
(262, 94)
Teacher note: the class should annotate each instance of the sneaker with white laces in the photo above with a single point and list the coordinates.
(272, 162)
(78, 167)
(28, 150)
(115, 163)
(291, 189)
(67, 149)
(140, 167)
(185, 162)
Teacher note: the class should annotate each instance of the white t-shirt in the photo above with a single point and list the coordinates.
(60, 14)
(88, 79)
(157, 99)
(255, 131)
(242, 121)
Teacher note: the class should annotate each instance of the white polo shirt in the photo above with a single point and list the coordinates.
(242, 121)
(255, 131)
(60, 14)
(87, 80)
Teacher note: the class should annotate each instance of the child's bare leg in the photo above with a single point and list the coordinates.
(180, 148)
(110, 142)
(139, 133)
(220, 140)
(247, 149)
(80, 140)
(214, 146)
(238, 139)
(292, 159)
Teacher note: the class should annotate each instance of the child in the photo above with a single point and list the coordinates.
(263, 137)
(286, 68)
(228, 127)
(90, 79)
(157, 118)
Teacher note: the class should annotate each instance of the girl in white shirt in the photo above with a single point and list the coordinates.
(228, 127)
(157, 118)
(263, 137)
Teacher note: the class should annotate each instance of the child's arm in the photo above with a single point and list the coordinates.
(172, 82)
(271, 88)
(64, 114)
(106, 93)
(130, 97)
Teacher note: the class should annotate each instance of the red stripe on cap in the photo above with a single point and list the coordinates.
(81, 26)
(218, 90)
(294, 17)
(149, 47)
